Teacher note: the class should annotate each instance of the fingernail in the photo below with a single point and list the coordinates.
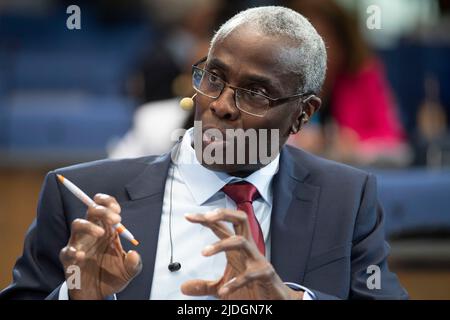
(139, 264)
(115, 219)
(207, 250)
(223, 291)
(189, 215)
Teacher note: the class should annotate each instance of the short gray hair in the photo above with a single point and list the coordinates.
(310, 58)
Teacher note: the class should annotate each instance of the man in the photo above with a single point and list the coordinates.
(305, 228)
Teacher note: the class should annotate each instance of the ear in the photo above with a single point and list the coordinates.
(309, 106)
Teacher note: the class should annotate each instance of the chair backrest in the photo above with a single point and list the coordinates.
(415, 199)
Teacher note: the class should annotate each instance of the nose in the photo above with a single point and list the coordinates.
(224, 107)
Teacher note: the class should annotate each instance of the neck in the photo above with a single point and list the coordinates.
(235, 171)
(240, 174)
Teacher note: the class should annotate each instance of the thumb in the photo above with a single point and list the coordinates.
(132, 263)
(199, 288)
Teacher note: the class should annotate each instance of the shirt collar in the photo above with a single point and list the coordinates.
(197, 176)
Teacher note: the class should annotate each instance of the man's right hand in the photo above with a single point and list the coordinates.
(105, 268)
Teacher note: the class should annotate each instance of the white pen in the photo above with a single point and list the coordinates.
(120, 228)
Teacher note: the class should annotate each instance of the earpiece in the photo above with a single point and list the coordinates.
(187, 103)
(174, 266)
(305, 117)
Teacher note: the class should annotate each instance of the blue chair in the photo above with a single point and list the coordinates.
(66, 127)
(415, 200)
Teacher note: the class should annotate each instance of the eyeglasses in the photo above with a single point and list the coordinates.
(248, 101)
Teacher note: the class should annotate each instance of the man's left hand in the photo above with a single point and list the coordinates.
(248, 275)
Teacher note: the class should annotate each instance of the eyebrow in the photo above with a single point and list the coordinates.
(216, 63)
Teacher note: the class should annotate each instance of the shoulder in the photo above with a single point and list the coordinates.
(111, 176)
(322, 171)
(112, 166)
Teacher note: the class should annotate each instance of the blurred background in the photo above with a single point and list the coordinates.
(111, 89)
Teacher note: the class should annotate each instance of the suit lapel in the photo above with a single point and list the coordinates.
(142, 215)
(292, 223)
(293, 218)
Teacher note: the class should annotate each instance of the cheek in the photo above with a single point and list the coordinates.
(280, 120)
(249, 122)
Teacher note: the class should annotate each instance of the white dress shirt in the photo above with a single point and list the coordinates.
(197, 189)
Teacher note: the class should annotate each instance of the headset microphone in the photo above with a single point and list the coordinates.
(174, 266)
(187, 103)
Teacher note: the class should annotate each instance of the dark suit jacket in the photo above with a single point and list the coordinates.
(326, 228)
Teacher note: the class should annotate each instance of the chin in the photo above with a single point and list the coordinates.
(234, 170)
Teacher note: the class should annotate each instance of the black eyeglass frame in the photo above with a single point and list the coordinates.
(272, 101)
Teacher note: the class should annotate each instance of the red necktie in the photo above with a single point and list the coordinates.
(244, 193)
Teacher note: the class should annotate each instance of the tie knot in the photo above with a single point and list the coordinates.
(241, 192)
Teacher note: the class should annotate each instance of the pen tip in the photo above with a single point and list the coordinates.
(60, 177)
(135, 242)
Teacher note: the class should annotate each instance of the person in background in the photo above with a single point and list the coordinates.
(359, 116)
(185, 29)
(165, 75)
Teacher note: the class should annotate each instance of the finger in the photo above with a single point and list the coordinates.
(116, 243)
(103, 214)
(219, 228)
(199, 287)
(107, 201)
(85, 236)
(233, 243)
(264, 274)
(71, 256)
(132, 263)
(81, 228)
(236, 217)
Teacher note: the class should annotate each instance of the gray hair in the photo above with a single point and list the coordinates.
(308, 59)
